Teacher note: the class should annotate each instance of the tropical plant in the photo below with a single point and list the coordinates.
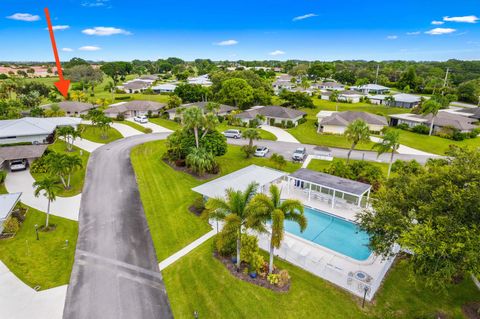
(69, 135)
(271, 209)
(234, 210)
(278, 160)
(54, 111)
(431, 107)
(250, 134)
(103, 123)
(390, 143)
(72, 164)
(193, 118)
(49, 187)
(356, 132)
(200, 161)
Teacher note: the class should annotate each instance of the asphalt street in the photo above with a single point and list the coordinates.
(115, 273)
(286, 149)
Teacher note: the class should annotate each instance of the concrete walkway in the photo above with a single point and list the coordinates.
(154, 127)
(125, 130)
(405, 149)
(281, 134)
(66, 207)
(19, 301)
(187, 249)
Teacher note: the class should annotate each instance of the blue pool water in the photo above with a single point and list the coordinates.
(333, 233)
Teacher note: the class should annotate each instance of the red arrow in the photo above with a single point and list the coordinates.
(62, 85)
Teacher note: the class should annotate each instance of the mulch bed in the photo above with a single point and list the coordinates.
(184, 169)
(194, 209)
(471, 310)
(259, 281)
(50, 228)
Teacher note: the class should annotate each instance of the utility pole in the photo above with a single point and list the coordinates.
(376, 75)
(445, 80)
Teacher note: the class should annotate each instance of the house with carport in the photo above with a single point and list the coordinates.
(337, 122)
(72, 108)
(134, 108)
(222, 110)
(272, 115)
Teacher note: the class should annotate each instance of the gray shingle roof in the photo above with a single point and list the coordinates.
(9, 153)
(345, 118)
(137, 105)
(272, 111)
(442, 119)
(136, 85)
(223, 107)
(330, 181)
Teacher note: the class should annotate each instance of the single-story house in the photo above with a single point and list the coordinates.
(272, 114)
(471, 112)
(73, 108)
(332, 86)
(33, 130)
(21, 152)
(149, 77)
(164, 88)
(400, 100)
(371, 89)
(239, 180)
(203, 80)
(443, 119)
(337, 122)
(136, 86)
(134, 108)
(222, 111)
(7, 205)
(343, 96)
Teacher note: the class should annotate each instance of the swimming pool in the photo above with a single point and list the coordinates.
(333, 233)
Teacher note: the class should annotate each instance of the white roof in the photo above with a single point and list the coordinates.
(371, 87)
(323, 114)
(239, 180)
(7, 203)
(409, 117)
(164, 87)
(408, 98)
(35, 125)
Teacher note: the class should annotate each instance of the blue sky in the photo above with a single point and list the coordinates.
(302, 29)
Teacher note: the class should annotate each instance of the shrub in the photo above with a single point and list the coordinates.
(3, 175)
(225, 245)
(278, 160)
(221, 118)
(249, 151)
(249, 248)
(403, 126)
(40, 165)
(283, 278)
(201, 161)
(289, 124)
(199, 204)
(11, 225)
(302, 120)
(273, 279)
(120, 117)
(421, 129)
(121, 98)
(256, 263)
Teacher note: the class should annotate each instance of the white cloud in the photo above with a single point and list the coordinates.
(435, 22)
(227, 42)
(440, 31)
(392, 37)
(105, 31)
(306, 16)
(59, 27)
(464, 19)
(277, 53)
(413, 33)
(67, 50)
(97, 3)
(89, 48)
(24, 17)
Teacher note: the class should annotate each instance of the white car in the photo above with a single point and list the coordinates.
(261, 151)
(141, 119)
(18, 165)
(233, 134)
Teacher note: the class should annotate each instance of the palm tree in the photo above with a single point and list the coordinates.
(193, 119)
(49, 187)
(271, 209)
(431, 107)
(389, 143)
(56, 164)
(71, 165)
(356, 132)
(251, 134)
(110, 87)
(54, 111)
(200, 161)
(69, 134)
(234, 210)
(389, 100)
(103, 123)
(210, 122)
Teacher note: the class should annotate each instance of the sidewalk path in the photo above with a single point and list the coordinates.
(66, 207)
(86, 145)
(19, 301)
(281, 134)
(185, 250)
(154, 127)
(405, 149)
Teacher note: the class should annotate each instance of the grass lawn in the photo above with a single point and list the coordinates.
(322, 165)
(200, 282)
(264, 135)
(171, 125)
(46, 262)
(307, 133)
(93, 134)
(78, 177)
(323, 105)
(433, 144)
(166, 195)
(136, 126)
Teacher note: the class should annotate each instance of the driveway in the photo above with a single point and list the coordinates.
(286, 149)
(66, 207)
(125, 130)
(19, 301)
(405, 149)
(115, 273)
(281, 134)
(154, 127)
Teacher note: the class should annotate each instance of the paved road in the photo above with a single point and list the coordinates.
(115, 274)
(286, 149)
